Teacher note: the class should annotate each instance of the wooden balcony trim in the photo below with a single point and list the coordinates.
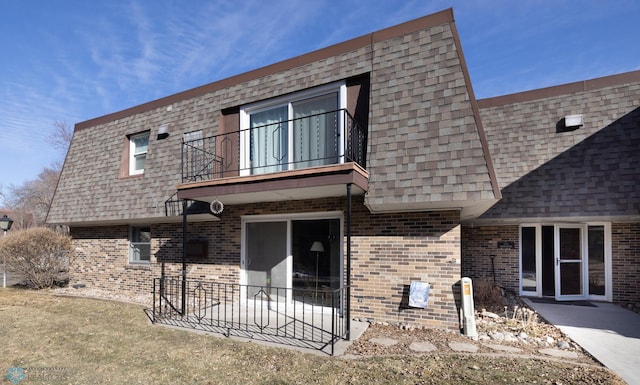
(346, 173)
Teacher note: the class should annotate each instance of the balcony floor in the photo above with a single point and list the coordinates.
(308, 183)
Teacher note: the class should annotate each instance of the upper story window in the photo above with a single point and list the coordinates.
(298, 131)
(138, 145)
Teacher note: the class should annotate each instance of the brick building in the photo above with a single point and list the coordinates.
(366, 165)
(568, 224)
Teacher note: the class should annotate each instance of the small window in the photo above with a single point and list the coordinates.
(139, 244)
(138, 145)
(193, 137)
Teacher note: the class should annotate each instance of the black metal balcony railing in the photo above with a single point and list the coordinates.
(294, 144)
(298, 317)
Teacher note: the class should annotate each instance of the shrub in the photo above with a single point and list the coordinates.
(40, 254)
(487, 295)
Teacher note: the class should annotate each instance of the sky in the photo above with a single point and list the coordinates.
(73, 60)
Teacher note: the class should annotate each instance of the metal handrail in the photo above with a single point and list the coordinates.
(219, 156)
(271, 313)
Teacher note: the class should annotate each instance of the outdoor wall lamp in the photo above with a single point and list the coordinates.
(163, 132)
(570, 123)
(573, 120)
(5, 225)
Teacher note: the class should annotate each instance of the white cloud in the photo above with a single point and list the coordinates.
(80, 62)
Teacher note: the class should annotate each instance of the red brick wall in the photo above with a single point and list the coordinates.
(388, 252)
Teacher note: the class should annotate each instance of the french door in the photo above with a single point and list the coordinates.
(566, 261)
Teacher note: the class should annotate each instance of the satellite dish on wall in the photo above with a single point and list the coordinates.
(216, 207)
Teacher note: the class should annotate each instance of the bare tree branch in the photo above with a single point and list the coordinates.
(31, 201)
(61, 136)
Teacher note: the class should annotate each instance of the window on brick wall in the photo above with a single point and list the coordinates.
(139, 244)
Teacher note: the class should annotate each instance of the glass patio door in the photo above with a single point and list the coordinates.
(566, 261)
(266, 259)
(295, 131)
(269, 140)
(315, 131)
(569, 269)
(316, 260)
(296, 261)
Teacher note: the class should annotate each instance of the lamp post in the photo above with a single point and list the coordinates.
(5, 225)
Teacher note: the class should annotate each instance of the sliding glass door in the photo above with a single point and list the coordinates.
(266, 258)
(269, 146)
(315, 131)
(297, 131)
(299, 258)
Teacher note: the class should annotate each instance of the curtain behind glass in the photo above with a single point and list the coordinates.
(269, 140)
(315, 131)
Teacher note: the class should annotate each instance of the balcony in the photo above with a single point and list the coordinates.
(303, 158)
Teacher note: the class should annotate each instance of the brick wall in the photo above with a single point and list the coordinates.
(388, 252)
(102, 260)
(625, 239)
(102, 256)
(479, 243)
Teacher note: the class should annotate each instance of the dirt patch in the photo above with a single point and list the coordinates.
(504, 324)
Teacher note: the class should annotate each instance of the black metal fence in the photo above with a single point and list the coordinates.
(338, 134)
(298, 317)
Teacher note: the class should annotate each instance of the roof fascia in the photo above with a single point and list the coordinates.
(425, 22)
(563, 89)
(476, 113)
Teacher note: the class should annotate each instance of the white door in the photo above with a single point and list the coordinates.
(569, 266)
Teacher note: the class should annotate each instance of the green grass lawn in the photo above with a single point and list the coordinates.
(63, 340)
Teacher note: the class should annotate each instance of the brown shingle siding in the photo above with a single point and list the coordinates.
(545, 172)
(561, 90)
(419, 95)
(414, 105)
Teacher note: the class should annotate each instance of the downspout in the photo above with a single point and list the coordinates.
(184, 256)
(348, 294)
